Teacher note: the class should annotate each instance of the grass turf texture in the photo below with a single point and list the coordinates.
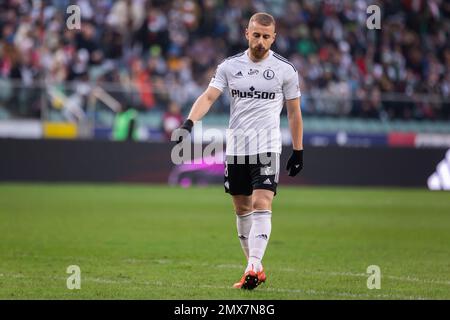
(158, 242)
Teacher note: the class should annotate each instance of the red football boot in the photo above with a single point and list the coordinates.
(261, 276)
(249, 281)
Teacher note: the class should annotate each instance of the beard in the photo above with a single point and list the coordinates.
(259, 52)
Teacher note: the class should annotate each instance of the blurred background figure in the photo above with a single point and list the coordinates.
(172, 119)
(125, 125)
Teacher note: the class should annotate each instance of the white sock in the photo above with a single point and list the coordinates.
(258, 238)
(244, 224)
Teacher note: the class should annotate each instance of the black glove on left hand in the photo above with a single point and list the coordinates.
(295, 163)
(184, 130)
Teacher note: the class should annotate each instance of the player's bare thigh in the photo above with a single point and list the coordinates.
(260, 200)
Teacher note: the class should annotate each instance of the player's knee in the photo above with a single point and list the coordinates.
(243, 208)
(262, 203)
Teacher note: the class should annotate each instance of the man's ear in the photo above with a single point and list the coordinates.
(246, 33)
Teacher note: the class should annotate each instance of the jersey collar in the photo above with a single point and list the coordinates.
(260, 62)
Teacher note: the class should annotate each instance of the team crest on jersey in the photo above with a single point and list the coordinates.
(268, 74)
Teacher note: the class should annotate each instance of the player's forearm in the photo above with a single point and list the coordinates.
(200, 107)
(295, 123)
(296, 127)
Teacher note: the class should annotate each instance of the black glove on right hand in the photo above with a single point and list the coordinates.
(295, 163)
(184, 130)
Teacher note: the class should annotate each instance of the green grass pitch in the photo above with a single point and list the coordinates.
(159, 242)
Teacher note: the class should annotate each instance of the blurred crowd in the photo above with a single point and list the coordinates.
(160, 55)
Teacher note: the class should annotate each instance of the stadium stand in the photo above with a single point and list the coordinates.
(146, 54)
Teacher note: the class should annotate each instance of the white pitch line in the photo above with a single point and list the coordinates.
(432, 281)
(404, 279)
(345, 274)
(299, 271)
(308, 292)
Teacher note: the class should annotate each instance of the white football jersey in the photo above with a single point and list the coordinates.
(257, 94)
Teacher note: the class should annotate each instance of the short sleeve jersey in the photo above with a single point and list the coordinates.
(257, 94)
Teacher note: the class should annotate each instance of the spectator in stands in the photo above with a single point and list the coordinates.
(178, 42)
(172, 119)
